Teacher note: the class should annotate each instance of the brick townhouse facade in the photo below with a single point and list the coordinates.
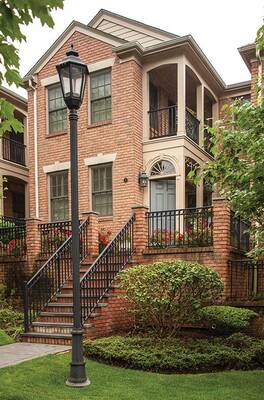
(148, 97)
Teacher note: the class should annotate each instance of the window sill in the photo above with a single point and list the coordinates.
(106, 218)
(55, 134)
(101, 123)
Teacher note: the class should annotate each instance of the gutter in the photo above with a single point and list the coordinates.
(32, 85)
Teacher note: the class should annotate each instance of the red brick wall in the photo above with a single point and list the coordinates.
(122, 136)
(254, 80)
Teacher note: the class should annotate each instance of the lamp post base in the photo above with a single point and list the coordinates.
(77, 384)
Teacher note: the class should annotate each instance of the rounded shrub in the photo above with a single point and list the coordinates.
(164, 296)
(227, 319)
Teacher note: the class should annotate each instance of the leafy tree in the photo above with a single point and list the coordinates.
(238, 165)
(14, 14)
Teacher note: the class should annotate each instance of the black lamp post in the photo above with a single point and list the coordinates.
(73, 73)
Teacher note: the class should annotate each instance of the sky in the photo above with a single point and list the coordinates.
(219, 27)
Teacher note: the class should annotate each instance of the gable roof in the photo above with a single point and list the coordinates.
(129, 29)
(73, 27)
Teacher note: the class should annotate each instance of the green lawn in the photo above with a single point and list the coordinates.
(44, 378)
(4, 338)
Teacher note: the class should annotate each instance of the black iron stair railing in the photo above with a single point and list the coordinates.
(97, 280)
(50, 278)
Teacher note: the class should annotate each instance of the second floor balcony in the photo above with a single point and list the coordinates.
(179, 103)
(13, 150)
(164, 122)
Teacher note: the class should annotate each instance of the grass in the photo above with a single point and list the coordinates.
(4, 338)
(44, 379)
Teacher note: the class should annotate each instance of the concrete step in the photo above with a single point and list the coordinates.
(54, 327)
(48, 338)
(62, 317)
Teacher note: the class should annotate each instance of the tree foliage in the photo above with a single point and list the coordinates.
(14, 15)
(238, 165)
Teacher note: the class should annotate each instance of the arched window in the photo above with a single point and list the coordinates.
(162, 168)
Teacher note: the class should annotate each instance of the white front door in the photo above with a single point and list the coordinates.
(163, 194)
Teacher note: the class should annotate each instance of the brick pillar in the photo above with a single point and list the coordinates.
(33, 243)
(93, 228)
(140, 230)
(221, 238)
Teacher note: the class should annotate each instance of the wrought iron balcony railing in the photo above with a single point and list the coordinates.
(13, 151)
(192, 126)
(164, 122)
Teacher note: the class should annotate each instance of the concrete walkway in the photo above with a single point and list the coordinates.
(16, 353)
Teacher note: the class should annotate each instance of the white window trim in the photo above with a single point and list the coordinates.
(49, 86)
(98, 66)
(51, 80)
(92, 67)
(56, 167)
(107, 63)
(91, 187)
(48, 182)
(100, 159)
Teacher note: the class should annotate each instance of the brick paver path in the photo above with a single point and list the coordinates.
(16, 353)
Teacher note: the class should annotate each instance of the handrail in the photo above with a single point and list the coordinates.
(49, 279)
(163, 108)
(97, 280)
(14, 141)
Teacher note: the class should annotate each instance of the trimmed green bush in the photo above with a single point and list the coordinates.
(11, 321)
(166, 295)
(4, 338)
(227, 319)
(177, 355)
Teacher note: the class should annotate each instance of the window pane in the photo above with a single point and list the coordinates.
(57, 110)
(59, 201)
(102, 189)
(101, 96)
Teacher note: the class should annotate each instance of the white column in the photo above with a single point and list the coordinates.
(180, 182)
(199, 193)
(181, 94)
(200, 112)
(145, 83)
(215, 112)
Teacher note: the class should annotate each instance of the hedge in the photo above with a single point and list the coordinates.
(227, 319)
(177, 355)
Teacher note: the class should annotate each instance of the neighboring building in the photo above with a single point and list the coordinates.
(14, 173)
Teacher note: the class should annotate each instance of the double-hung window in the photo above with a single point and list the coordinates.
(59, 196)
(101, 107)
(57, 110)
(102, 189)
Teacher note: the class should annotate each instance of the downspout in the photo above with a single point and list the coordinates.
(35, 135)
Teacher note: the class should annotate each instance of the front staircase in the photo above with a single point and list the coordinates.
(49, 293)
